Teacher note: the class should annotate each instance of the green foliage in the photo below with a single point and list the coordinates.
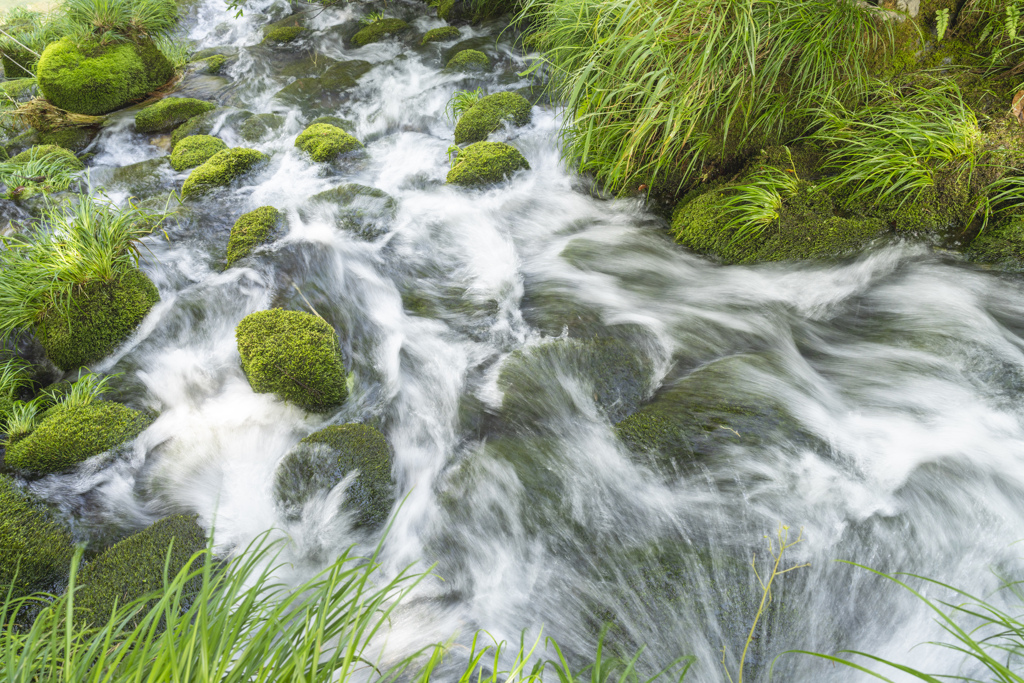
(752, 205)
(110, 21)
(439, 35)
(22, 417)
(483, 163)
(13, 378)
(85, 390)
(293, 355)
(28, 33)
(659, 91)
(372, 17)
(468, 61)
(35, 545)
(324, 142)
(89, 78)
(257, 127)
(169, 113)
(251, 230)
(487, 115)
(323, 459)
(133, 568)
(379, 30)
(180, 52)
(45, 168)
(896, 147)
(222, 169)
(72, 266)
(70, 433)
(461, 102)
(195, 150)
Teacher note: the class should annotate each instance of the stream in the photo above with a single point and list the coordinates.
(876, 404)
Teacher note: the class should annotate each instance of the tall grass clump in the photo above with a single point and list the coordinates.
(42, 167)
(665, 91)
(109, 21)
(233, 621)
(78, 243)
(990, 638)
(899, 144)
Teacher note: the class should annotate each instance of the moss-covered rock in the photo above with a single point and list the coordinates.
(616, 374)
(35, 544)
(169, 113)
(70, 434)
(1001, 243)
(195, 150)
(295, 356)
(204, 123)
(483, 163)
(284, 31)
(379, 30)
(251, 230)
(469, 61)
(73, 139)
(65, 157)
(487, 115)
(365, 211)
(102, 315)
(19, 89)
(134, 567)
(19, 63)
(212, 65)
(324, 142)
(323, 459)
(222, 169)
(94, 79)
(256, 128)
(440, 35)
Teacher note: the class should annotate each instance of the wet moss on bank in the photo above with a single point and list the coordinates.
(35, 543)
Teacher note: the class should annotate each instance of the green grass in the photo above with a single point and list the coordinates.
(372, 17)
(754, 204)
(39, 168)
(461, 102)
(77, 243)
(661, 91)
(115, 20)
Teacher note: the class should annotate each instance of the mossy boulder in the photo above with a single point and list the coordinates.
(365, 211)
(35, 544)
(222, 169)
(251, 230)
(615, 373)
(195, 150)
(324, 458)
(295, 356)
(469, 61)
(204, 123)
(19, 89)
(440, 35)
(69, 435)
(483, 163)
(102, 315)
(73, 139)
(324, 142)
(487, 115)
(134, 567)
(379, 30)
(65, 157)
(256, 128)
(169, 113)
(211, 65)
(284, 31)
(94, 79)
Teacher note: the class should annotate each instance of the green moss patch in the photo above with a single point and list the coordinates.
(67, 158)
(222, 169)
(323, 459)
(19, 89)
(169, 113)
(195, 150)
(70, 434)
(295, 356)
(251, 230)
(379, 30)
(94, 79)
(468, 61)
(103, 314)
(256, 128)
(483, 163)
(324, 142)
(487, 115)
(134, 567)
(283, 34)
(212, 64)
(440, 35)
(35, 544)
(1002, 243)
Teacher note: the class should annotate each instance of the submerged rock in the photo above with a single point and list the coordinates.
(102, 315)
(70, 434)
(93, 79)
(487, 115)
(251, 230)
(295, 356)
(439, 35)
(135, 566)
(324, 458)
(257, 127)
(37, 544)
(379, 30)
(195, 150)
(169, 113)
(324, 142)
(221, 170)
(483, 163)
(204, 124)
(365, 211)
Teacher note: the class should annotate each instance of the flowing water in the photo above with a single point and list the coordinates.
(875, 403)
